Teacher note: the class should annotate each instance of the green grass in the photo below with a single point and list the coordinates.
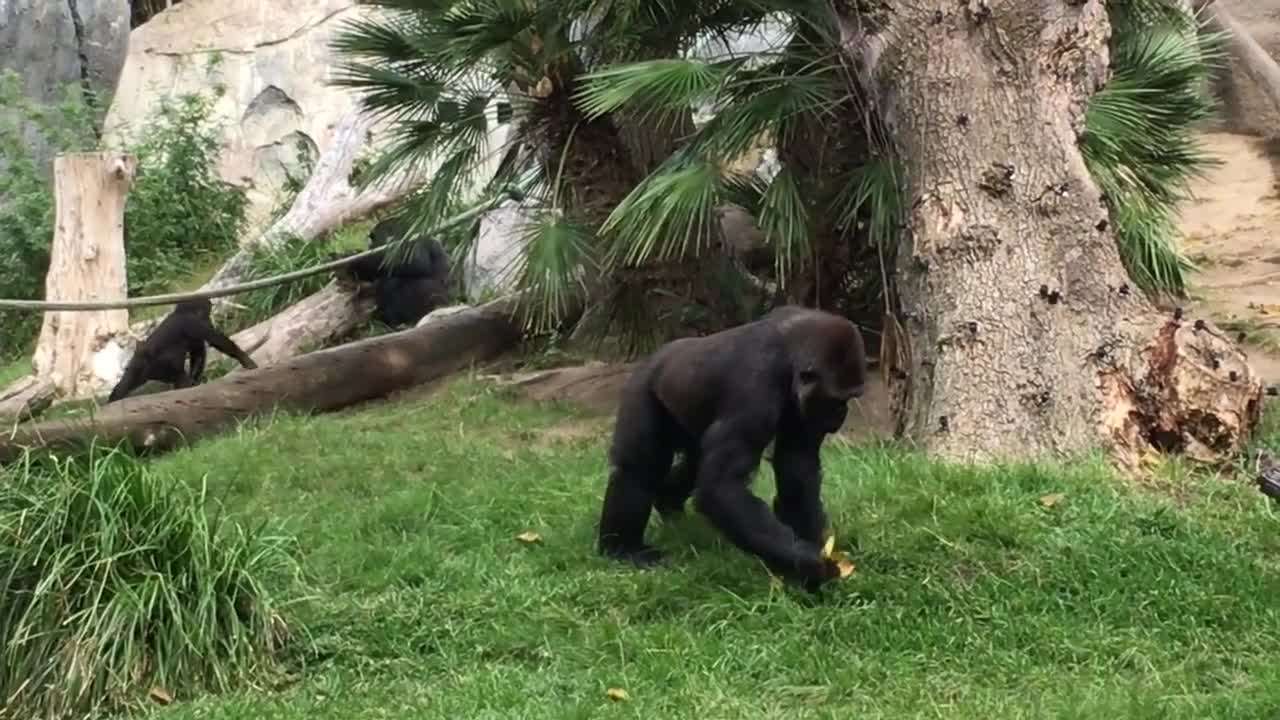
(971, 598)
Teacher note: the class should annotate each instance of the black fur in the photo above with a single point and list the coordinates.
(718, 401)
(407, 290)
(185, 334)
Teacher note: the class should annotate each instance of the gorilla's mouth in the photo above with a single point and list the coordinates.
(828, 415)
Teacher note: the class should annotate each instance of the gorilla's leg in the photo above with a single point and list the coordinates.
(798, 474)
(679, 484)
(640, 458)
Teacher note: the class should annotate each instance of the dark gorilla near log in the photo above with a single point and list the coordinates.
(185, 334)
(719, 400)
(404, 291)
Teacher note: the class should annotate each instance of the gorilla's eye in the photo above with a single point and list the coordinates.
(808, 375)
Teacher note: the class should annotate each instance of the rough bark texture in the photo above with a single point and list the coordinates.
(86, 262)
(25, 399)
(331, 313)
(320, 381)
(985, 101)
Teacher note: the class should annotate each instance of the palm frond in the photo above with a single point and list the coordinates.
(785, 222)
(667, 85)
(668, 215)
(1140, 142)
(552, 268)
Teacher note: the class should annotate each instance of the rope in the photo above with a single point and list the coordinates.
(45, 305)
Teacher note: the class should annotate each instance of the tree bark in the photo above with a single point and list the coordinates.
(321, 317)
(87, 262)
(316, 382)
(985, 102)
(25, 399)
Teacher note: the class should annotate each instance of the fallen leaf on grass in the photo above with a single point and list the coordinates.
(529, 538)
(1052, 499)
(161, 695)
(617, 694)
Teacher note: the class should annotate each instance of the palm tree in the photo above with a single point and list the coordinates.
(438, 69)
(833, 211)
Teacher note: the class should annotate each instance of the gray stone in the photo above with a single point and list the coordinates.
(54, 43)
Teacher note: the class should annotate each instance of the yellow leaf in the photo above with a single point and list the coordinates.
(829, 546)
(617, 694)
(843, 563)
(161, 695)
(529, 537)
(1052, 499)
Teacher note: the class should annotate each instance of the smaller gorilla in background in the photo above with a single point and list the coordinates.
(718, 401)
(185, 333)
(404, 291)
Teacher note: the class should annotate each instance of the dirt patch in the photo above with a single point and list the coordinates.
(1230, 230)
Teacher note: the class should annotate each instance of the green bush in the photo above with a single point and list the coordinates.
(116, 581)
(179, 213)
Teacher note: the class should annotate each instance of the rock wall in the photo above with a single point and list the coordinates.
(53, 43)
(1245, 109)
(272, 63)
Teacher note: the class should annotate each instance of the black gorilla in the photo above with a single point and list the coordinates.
(719, 400)
(185, 333)
(407, 290)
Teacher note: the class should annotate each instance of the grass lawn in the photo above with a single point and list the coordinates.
(972, 598)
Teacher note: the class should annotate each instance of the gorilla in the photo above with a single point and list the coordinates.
(719, 400)
(185, 334)
(404, 291)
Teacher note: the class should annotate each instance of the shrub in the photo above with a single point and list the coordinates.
(116, 581)
(179, 211)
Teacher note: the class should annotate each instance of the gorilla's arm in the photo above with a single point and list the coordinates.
(133, 378)
(210, 334)
(731, 450)
(797, 471)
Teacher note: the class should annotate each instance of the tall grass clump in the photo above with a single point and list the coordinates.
(118, 582)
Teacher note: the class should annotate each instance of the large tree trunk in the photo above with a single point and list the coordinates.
(320, 381)
(86, 263)
(985, 102)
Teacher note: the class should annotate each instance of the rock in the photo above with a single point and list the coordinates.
(490, 267)
(54, 43)
(272, 61)
(1245, 108)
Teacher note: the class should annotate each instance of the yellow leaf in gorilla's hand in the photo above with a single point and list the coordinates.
(616, 694)
(829, 546)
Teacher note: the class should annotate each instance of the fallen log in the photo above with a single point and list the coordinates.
(26, 398)
(316, 382)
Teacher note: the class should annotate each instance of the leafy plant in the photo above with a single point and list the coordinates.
(117, 581)
(179, 210)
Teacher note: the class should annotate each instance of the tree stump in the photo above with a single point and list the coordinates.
(87, 262)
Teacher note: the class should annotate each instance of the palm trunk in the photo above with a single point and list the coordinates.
(985, 101)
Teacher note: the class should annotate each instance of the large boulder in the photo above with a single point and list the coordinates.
(272, 62)
(55, 43)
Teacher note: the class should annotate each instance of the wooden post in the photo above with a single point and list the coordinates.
(86, 262)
